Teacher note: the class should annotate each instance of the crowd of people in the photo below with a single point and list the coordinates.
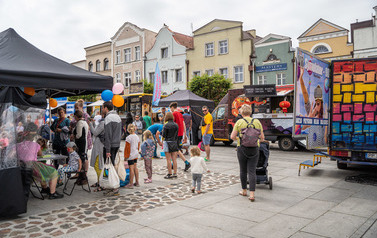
(102, 135)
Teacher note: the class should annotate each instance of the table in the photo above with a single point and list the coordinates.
(51, 157)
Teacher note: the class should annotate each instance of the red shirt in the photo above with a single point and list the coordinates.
(178, 118)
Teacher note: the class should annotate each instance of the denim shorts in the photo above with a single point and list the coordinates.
(207, 139)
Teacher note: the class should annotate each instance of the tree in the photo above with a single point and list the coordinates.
(148, 87)
(86, 98)
(210, 87)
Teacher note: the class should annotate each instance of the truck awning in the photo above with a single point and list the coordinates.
(284, 89)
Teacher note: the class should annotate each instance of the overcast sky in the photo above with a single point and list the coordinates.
(64, 27)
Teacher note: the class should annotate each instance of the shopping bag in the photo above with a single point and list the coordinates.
(127, 180)
(112, 180)
(120, 169)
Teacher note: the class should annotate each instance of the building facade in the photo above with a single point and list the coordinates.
(275, 60)
(81, 64)
(326, 40)
(169, 51)
(364, 38)
(98, 58)
(129, 46)
(222, 47)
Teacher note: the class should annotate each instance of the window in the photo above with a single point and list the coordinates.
(151, 77)
(137, 53)
(224, 72)
(220, 113)
(209, 72)
(117, 56)
(321, 50)
(164, 53)
(178, 75)
(117, 78)
(127, 79)
(90, 66)
(210, 49)
(98, 66)
(238, 74)
(223, 47)
(196, 73)
(280, 79)
(137, 76)
(105, 64)
(262, 79)
(272, 57)
(164, 75)
(127, 55)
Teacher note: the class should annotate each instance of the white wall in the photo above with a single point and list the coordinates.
(365, 42)
(176, 60)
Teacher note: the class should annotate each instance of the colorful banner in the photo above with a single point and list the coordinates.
(311, 99)
(156, 86)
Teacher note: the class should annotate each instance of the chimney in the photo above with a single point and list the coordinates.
(252, 32)
(375, 10)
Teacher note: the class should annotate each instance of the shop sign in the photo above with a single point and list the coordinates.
(271, 67)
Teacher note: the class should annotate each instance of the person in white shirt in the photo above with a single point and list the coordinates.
(198, 167)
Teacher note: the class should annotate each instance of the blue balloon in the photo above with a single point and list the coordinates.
(107, 95)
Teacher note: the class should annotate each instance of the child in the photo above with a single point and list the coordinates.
(198, 167)
(131, 154)
(74, 163)
(147, 151)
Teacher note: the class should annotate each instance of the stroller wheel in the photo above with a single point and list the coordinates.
(270, 182)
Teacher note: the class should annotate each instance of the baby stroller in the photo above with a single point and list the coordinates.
(262, 172)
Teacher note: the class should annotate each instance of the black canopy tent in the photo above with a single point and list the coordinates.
(195, 102)
(24, 65)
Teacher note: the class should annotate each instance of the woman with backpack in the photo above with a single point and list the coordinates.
(248, 132)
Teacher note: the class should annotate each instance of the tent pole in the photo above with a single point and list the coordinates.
(49, 115)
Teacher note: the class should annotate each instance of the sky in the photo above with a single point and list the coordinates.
(63, 28)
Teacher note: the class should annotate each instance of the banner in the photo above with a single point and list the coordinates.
(156, 86)
(311, 99)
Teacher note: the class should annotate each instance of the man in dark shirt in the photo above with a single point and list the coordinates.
(178, 118)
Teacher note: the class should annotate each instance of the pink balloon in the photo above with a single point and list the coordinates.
(118, 88)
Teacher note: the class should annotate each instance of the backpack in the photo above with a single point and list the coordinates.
(250, 135)
(150, 150)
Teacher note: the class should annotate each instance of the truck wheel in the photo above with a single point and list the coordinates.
(341, 165)
(228, 143)
(286, 143)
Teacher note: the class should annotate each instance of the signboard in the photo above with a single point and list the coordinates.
(311, 99)
(264, 90)
(136, 88)
(157, 86)
(271, 67)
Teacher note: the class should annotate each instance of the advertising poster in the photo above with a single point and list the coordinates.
(311, 99)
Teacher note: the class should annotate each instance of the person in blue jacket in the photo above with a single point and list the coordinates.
(156, 130)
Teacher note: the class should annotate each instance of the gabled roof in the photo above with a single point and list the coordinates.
(119, 31)
(272, 36)
(214, 21)
(327, 27)
(183, 39)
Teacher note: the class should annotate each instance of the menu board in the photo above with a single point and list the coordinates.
(264, 90)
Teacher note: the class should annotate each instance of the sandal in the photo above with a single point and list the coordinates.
(242, 193)
(252, 199)
(98, 189)
(168, 176)
(94, 185)
(148, 181)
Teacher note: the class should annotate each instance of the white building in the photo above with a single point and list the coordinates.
(169, 50)
(364, 38)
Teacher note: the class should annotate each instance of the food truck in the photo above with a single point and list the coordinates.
(264, 99)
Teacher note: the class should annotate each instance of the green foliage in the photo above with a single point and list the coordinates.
(86, 98)
(148, 87)
(210, 87)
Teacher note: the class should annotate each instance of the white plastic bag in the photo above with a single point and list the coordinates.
(121, 170)
(112, 180)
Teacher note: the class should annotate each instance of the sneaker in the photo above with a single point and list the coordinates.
(55, 196)
(112, 193)
(45, 190)
(187, 166)
(174, 176)
(168, 176)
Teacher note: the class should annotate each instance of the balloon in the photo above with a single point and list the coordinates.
(118, 101)
(107, 95)
(53, 102)
(29, 91)
(118, 88)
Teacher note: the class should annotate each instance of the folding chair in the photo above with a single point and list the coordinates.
(39, 191)
(82, 174)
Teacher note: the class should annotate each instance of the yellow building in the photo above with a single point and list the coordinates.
(222, 47)
(98, 58)
(326, 40)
